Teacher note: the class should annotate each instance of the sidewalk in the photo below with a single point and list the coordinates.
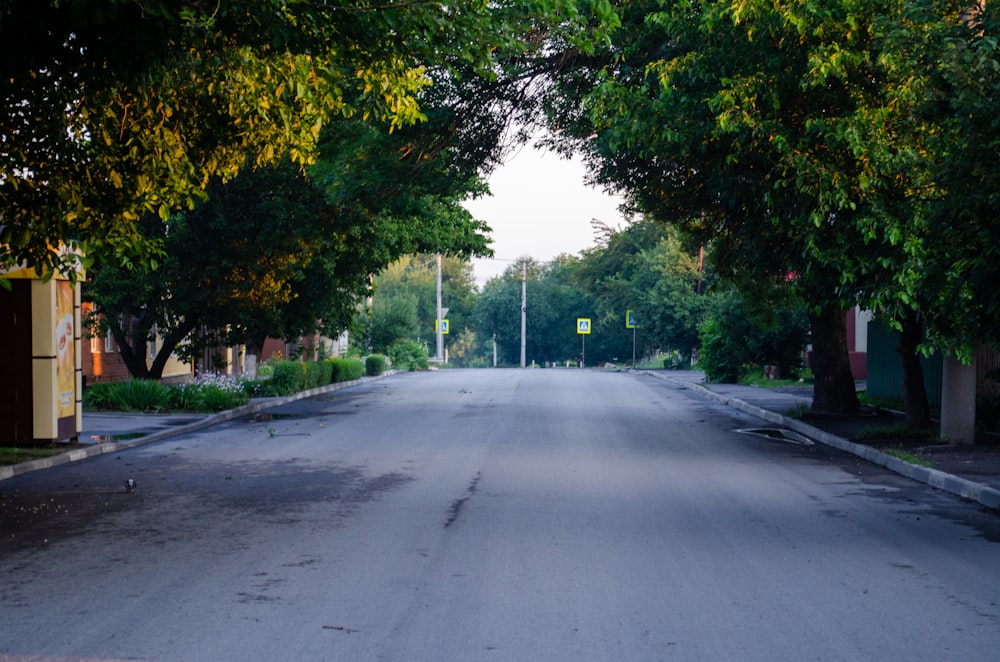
(971, 472)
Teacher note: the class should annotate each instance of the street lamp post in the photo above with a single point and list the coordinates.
(524, 312)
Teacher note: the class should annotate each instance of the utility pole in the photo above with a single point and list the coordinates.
(524, 311)
(440, 315)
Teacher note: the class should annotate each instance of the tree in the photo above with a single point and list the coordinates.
(738, 336)
(498, 314)
(118, 109)
(393, 319)
(645, 268)
(261, 258)
(931, 197)
(732, 120)
(416, 276)
(276, 253)
(554, 302)
(947, 68)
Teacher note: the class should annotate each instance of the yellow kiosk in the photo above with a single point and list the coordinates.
(41, 393)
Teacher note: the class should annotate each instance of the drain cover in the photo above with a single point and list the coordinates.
(778, 434)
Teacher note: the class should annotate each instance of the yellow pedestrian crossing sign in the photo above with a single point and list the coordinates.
(630, 320)
(583, 325)
(442, 327)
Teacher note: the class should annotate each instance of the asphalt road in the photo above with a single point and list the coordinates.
(493, 515)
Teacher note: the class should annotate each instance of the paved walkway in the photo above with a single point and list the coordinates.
(972, 472)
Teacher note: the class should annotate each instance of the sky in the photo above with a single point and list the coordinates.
(540, 207)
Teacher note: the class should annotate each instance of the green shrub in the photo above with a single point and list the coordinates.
(210, 392)
(186, 397)
(721, 356)
(317, 373)
(144, 395)
(129, 395)
(736, 338)
(294, 376)
(674, 361)
(252, 387)
(216, 398)
(287, 377)
(346, 370)
(375, 365)
(409, 355)
(100, 396)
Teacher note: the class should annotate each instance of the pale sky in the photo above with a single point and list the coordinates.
(540, 207)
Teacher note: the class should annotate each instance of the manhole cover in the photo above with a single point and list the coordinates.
(779, 434)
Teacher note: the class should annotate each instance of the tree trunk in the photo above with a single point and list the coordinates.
(132, 350)
(833, 388)
(168, 344)
(918, 411)
(958, 401)
(254, 346)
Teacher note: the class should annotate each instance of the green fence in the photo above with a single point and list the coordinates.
(885, 368)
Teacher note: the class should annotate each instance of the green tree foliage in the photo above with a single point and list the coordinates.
(936, 139)
(416, 276)
(393, 319)
(734, 120)
(277, 253)
(554, 302)
(737, 338)
(644, 268)
(670, 305)
(119, 109)
(260, 258)
(498, 314)
(409, 355)
(844, 142)
(465, 350)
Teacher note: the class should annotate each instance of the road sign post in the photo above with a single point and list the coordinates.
(583, 328)
(631, 323)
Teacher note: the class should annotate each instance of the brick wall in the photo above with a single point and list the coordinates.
(101, 360)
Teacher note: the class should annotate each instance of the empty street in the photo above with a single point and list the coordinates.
(493, 515)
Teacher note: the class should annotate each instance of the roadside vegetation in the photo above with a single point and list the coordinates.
(212, 393)
(896, 434)
(908, 457)
(16, 455)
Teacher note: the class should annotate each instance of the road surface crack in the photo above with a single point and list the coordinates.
(456, 506)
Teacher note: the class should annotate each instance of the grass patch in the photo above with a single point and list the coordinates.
(890, 432)
(908, 457)
(756, 377)
(16, 455)
(881, 403)
(798, 411)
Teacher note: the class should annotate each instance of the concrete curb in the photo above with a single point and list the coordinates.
(963, 487)
(78, 454)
